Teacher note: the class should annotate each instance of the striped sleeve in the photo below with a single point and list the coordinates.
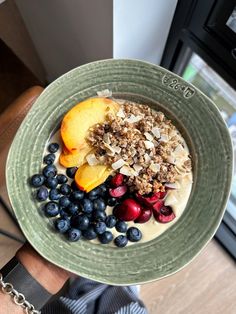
(88, 297)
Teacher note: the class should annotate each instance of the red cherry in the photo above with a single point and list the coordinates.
(150, 200)
(157, 206)
(128, 210)
(161, 195)
(117, 180)
(164, 214)
(119, 191)
(144, 216)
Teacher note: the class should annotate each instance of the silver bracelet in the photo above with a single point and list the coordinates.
(18, 298)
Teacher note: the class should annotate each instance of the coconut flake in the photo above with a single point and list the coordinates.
(147, 158)
(120, 113)
(106, 138)
(118, 164)
(120, 101)
(137, 167)
(104, 93)
(148, 144)
(164, 138)
(155, 167)
(156, 132)
(180, 151)
(109, 149)
(148, 136)
(155, 143)
(174, 185)
(116, 149)
(128, 171)
(101, 159)
(180, 170)
(170, 199)
(171, 159)
(133, 119)
(92, 160)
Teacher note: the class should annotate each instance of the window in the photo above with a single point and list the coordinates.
(200, 74)
(201, 47)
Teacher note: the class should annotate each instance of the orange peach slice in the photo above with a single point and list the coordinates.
(88, 177)
(77, 159)
(78, 120)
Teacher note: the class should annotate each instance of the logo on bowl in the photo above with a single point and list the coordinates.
(173, 83)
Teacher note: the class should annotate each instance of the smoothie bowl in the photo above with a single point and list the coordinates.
(125, 185)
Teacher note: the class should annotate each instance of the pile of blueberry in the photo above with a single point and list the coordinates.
(76, 213)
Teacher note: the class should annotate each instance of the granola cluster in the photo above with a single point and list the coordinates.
(143, 145)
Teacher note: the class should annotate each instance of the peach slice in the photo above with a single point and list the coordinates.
(77, 159)
(88, 177)
(80, 118)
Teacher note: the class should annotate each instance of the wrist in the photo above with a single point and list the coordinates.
(50, 276)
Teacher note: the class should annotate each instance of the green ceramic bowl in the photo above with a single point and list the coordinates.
(203, 128)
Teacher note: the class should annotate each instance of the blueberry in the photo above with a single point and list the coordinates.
(51, 209)
(74, 234)
(99, 215)
(54, 195)
(89, 234)
(74, 186)
(121, 241)
(110, 221)
(103, 189)
(49, 171)
(70, 172)
(63, 214)
(87, 206)
(53, 147)
(121, 226)
(111, 201)
(100, 227)
(49, 159)
(42, 194)
(61, 178)
(134, 234)
(99, 204)
(64, 201)
(72, 208)
(106, 237)
(94, 194)
(62, 225)
(37, 180)
(80, 221)
(51, 182)
(77, 195)
(65, 189)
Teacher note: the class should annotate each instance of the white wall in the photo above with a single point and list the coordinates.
(68, 33)
(141, 28)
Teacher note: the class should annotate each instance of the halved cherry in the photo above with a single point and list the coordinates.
(128, 210)
(157, 206)
(144, 216)
(119, 191)
(162, 194)
(164, 214)
(150, 200)
(117, 180)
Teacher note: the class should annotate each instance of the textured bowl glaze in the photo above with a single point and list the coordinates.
(200, 123)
